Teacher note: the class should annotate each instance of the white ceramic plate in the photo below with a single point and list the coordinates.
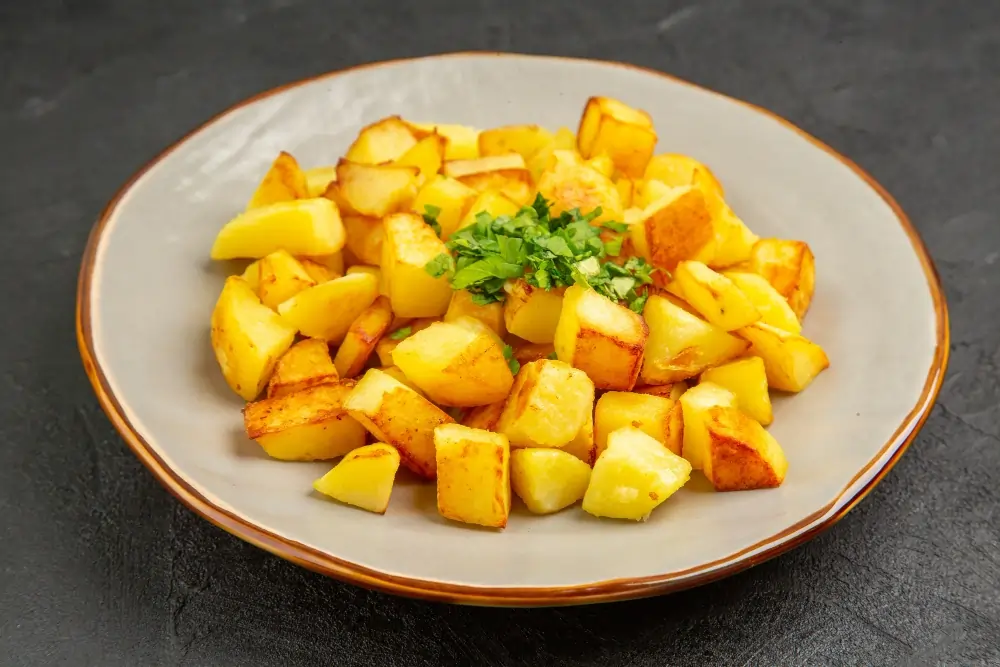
(147, 289)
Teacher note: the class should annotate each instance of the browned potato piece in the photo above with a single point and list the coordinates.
(658, 417)
(397, 373)
(318, 271)
(376, 190)
(672, 391)
(318, 179)
(677, 170)
(284, 181)
(625, 134)
(547, 406)
(485, 417)
(695, 406)
(399, 416)
(525, 140)
(327, 310)
(462, 141)
(388, 343)
(674, 229)
(310, 227)
(364, 238)
(584, 445)
(504, 173)
(714, 296)
(525, 352)
(455, 365)
(492, 202)
(742, 454)
(791, 361)
(626, 190)
(747, 380)
(427, 155)
(790, 267)
(490, 314)
(309, 425)
(280, 277)
(603, 339)
(473, 482)
(562, 140)
(571, 183)
(409, 244)
(532, 313)
(382, 141)
(365, 332)
(447, 194)
(306, 364)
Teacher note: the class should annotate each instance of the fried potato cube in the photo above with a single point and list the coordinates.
(373, 271)
(506, 174)
(409, 245)
(376, 190)
(462, 141)
(280, 277)
(247, 338)
(318, 271)
(427, 155)
(625, 134)
(790, 267)
(547, 480)
(747, 380)
(399, 416)
(448, 195)
(492, 202)
(473, 480)
(327, 310)
(525, 140)
(682, 345)
(544, 158)
(455, 365)
(773, 307)
(334, 262)
(388, 343)
(713, 296)
(284, 181)
(584, 445)
(695, 404)
(251, 275)
(626, 191)
(362, 337)
(303, 227)
(571, 183)
(397, 373)
(365, 237)
(532, 313)
(742, 455)
(547, 406)
(318, 179)
(677, 170)
(734, 241)
(675, 228)
(603, 339)
(633, 476)
(490, 314)
(672, 391)
(309, 425)
(525, 352)
(485, 417)
(306, 364)
(602, 164)
(382, 141)
(653, 415)
(649, 192)
(363, 478)
(791, 361)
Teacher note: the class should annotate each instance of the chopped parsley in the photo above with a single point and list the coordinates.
(401, 333)
(514, 364)
(431, 214)
(547, 252)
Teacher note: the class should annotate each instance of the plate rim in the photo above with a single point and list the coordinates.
(602, 591)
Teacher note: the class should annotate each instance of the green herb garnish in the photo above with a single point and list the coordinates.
(514, 364)
(431, 214)
(401, 333)
(552, 355)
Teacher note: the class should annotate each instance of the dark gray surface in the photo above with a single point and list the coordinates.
(100, 566)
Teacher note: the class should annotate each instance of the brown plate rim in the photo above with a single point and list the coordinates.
(603, 591)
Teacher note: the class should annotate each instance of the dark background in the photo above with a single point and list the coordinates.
(100, 566)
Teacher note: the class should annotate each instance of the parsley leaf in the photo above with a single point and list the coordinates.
(552, 356)
(440, 265)
(431, 213)
(401, 333)
(514, 364)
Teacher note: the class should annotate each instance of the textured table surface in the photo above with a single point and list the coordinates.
(100, 566)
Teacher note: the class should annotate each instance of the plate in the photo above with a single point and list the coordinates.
(147, 288)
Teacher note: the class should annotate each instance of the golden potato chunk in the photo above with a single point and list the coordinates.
(544, 158)
(747, 380)
(309, 425)
(489, 201)
(399, 416)
(373, 271)
(791, 361)
(584, 445)
(649, 192)
(525, 352)
(547, 480)
(473, 475)
(388, 343)
(376, 190)
(713, 296)
(653, 415)
(532, 313)
(365, 237)
(677, 170)
(485, 417)
(633, 476)
(742, 455)
(675, 228)
(306, 364)
(362, 337)
(490, 314)
(773, 307)
(672, 391)
(320, 272)
(734, 241)
(625, 134)
(602, 164)
(455, 365)
(327, 310)
(682, 345)
(695, 404)
(525, 140)
(790, 267)
(284, 181)
(247, 337)
(303, 227)
(462, 141)
(603, 339)
(397, 373)
(427, 155)
(451, 197)
(382, 141)
(409, 245)
(318, 179)
(506, 174)
(363, 478)
(571, 183)
(280, 277)
(626, 191)
(334, 262)
(547, 405)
